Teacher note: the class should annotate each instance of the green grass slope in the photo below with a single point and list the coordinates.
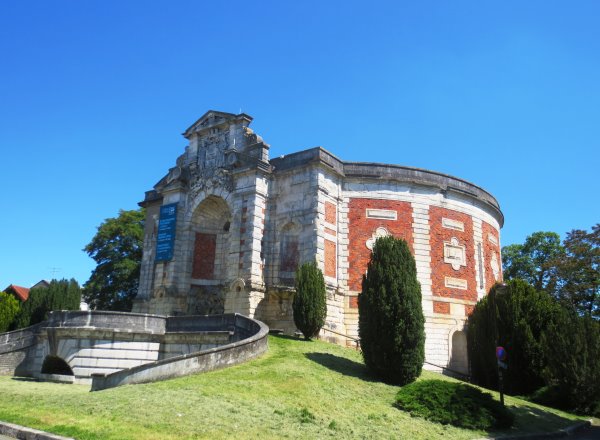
(298, 389)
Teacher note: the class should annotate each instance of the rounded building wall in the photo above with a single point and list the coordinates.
(312, 206)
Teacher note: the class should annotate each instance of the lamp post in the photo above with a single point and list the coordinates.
(501, 354)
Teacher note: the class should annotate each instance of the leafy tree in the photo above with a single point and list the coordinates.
(391, 322)
(117, 250)
(573, 343)
(570, 271)
(310, 301)
(534, 261)
(516, 320)
(579, 271)
(59, 295)
(9, 307)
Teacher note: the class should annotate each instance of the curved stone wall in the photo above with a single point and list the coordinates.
(100, 343)
(244, 349)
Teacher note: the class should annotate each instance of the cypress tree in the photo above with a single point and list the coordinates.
(59, 295)
(309, 305)
(9, 307)
(515, 320)
(391, 322)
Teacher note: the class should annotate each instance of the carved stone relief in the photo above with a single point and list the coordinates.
(495, 266)
(455, 283)
(379, 232)
(455, 254)
(453, 224)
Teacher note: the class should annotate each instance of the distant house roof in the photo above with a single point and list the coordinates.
(21, 293)
(40, 284)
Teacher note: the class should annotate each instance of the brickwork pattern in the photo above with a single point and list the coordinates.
(440, 269)
(362, 229)
(330, 258)
(330, 215)
(441, 307)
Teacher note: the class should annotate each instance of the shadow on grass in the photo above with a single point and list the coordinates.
(529, 420)
(25, 379)
(287, 337)
(342, 365)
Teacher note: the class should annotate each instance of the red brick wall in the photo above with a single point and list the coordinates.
(441, 307)
(204, 256)
(330, 258)
(330, 214)
(489, 248)
(440, 269)
(362, 228)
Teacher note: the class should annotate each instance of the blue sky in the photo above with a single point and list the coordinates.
(94, 96)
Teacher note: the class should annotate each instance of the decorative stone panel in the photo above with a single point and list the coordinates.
(361, 230)
(448, 281)
(491, 256)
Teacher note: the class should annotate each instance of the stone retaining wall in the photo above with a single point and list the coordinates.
(108, 342)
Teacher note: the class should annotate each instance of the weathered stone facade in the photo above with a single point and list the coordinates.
(244, 222)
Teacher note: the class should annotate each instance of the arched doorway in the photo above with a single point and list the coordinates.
(210, 227)
(459, 356)
(56, 365)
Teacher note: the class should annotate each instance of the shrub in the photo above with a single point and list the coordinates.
(453, 403)
(9, 307)
(391, 323)
(573, 344)
(310, 302)
(515, 320)
(59, 295)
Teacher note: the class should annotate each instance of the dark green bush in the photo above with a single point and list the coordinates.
(391, 323)
(515, 320)
(573, 371)
(310, 300)
(453, 403)
(59, 295)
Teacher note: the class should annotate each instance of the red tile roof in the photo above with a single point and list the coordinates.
(22, 293)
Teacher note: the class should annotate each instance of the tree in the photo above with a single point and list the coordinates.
(573, 367)
(534, 261)
(579, 271)
(9, 307)
(570, 271)
(117, 250)
(515, 320)
(310, 301)
(391, 322)
(59, 295)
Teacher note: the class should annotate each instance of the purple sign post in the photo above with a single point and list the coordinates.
(501, 356)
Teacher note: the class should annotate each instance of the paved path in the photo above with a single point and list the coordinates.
(588, 434)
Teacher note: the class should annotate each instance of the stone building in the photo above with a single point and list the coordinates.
(227, 227)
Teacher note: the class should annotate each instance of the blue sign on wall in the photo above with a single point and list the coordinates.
(166, 232)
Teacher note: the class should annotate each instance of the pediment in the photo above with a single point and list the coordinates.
(213, 118)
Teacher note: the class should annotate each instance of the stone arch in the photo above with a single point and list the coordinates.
(56, 365)
(457, 348)
(211, 224)
(210, 232)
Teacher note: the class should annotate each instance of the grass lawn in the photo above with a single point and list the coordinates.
(297, 389)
